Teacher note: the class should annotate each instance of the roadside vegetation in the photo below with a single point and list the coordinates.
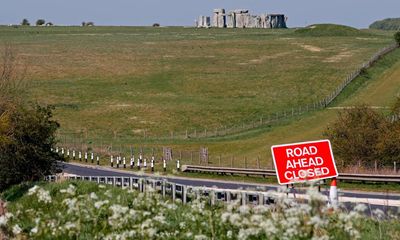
(86, 210)
(27, 131)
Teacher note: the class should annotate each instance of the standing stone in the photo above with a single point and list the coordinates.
(219, 18)
(277, 21)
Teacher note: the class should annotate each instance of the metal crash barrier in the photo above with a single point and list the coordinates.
(176, 191)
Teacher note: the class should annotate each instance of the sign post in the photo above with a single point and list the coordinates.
(305, 161)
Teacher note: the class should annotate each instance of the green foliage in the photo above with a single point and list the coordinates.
(386, 24)
(332, 30)
(27, 135)
(397, 37)
(360, 136)
(40, 22)
(16, 191)
(25, 22)
(84, 210)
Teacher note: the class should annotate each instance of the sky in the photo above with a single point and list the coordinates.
(356, 13)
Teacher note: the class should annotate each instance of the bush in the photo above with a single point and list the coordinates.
(397, 37)
(360, 136)
(25, 22)
(156, 25)
(27, 135)
(40, 22)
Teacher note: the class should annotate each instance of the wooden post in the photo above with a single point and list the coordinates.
(258, 162)
(376, 166)
(232, 161)
(394, 167)
(245, 162)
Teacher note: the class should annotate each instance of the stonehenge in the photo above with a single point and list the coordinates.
(241, 18)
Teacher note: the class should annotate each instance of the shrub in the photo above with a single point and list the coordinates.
(397, 37)
(156, 25)
(360, 136)
(25, 22)
(40, 22)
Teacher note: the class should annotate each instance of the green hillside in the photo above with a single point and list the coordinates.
(386, 24)
(329, 30)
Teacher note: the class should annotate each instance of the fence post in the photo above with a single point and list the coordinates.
(395, 167)
(376, 166)
(245, 162)
(219, 160)
(258, 162)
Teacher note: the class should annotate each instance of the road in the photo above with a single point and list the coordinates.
(377, 200)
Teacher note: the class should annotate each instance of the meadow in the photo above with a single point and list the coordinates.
(113, 85)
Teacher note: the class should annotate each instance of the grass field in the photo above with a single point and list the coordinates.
(112, 83)
(122, 81)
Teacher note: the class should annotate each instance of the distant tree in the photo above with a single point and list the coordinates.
(90, 24)
(156, 25)
(397, 37)
(25, 22)
(40, 22)
(49, 24)
(83, 24)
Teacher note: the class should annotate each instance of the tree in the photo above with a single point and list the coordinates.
(397, 37)
(27, 131)
(25, 22)
(355, 135)
(40, 22)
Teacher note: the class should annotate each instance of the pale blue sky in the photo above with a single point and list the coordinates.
(357, 13)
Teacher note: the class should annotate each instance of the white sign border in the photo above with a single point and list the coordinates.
(299, 143)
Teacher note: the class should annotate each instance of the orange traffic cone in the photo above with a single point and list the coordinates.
(333, 194)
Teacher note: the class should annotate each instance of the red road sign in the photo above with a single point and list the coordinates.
(300, 162)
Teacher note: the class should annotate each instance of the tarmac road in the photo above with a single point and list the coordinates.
(382, 201)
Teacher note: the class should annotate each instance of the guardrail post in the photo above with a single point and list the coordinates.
(173, 191)
(228, 196)
(178, 165)
(92, 157)
(112, 160)
(165, 165)
(184, 194)
(212, 197)
(243, 196)
(152, 163)
(164, 185)
(260, 199)
(132, 162)
(86, 157)
(114, 181)
(124, 162)
(68, 153)
(118, 161)
(98, 160)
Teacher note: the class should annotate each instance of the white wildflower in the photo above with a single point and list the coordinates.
(229, 234)
(44, 196)
(244, 209)
(323, 237)
(360, 208)
(33, 190)
(102, 186)
(16, 230)
(71, 190)
(318, 222)
(379, 214)
(200, 237)
(99, 204)
(34, 230)
(69, 225)
(3, 221)
(93, 196)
